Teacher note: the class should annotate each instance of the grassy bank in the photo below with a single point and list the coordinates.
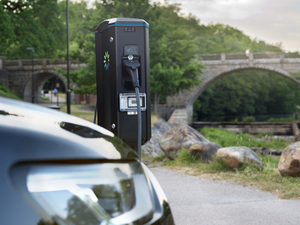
(4, 92)
(268, 179)
(228, 138)
(79, 110)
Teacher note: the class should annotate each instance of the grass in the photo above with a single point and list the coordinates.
(7, 93)
(287, 119)
(154, 118)
(268, 180)
(77, 111)
(228, 138)
(62, 95)
(45, 99)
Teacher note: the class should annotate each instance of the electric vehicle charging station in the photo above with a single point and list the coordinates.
(122, 66)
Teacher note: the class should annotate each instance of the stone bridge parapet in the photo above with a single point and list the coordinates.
(42, 64)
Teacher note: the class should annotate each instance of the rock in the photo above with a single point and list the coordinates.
(272, 151)
(181, 137)
(266, 151)
(204, 150)
(289, 161)
(177, 122)
(235, 157)
(152, 147)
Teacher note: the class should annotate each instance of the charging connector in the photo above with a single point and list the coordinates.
(132, 68)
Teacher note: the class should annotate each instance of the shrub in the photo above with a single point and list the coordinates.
(264, 134)
(286, 119)
(248, 119)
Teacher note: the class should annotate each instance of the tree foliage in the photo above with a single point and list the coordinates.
(30, 23)
(247, 93)
(172, 65)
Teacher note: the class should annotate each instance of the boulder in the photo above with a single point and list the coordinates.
(235, 157)
(152, 147)
(181, 137)
(266, 151)
(204, 150)
(289, 161)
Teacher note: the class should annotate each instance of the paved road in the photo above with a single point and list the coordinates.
(55, 101)
(54, 98)
(197, 201)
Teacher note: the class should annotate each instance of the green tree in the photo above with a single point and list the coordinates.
(296, 75)
(7, 35)
(172, 54)
(174, 42)
(247, 93)
(172, 65)
(30, 23)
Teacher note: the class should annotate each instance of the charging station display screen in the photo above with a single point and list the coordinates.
(128, 102)
(133, 103)
(131, 50)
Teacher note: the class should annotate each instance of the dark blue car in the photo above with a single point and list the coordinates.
(59, 169)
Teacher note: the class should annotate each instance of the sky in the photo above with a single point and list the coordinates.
(273, 21)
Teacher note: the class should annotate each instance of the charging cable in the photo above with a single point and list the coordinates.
(132, 68)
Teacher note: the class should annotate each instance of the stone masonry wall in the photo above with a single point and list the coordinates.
(4, 78)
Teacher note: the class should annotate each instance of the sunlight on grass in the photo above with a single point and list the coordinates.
(80, 111)
(7, 93)
(227, 138)
(154, 118)
(62, 95)
(268, 179)
(76, 110)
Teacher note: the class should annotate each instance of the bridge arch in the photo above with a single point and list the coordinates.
(20, 72)
(40, 78)
(211, 79)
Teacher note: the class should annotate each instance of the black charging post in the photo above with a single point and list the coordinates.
(123, 76)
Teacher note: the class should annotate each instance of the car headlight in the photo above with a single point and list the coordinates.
(106, 193)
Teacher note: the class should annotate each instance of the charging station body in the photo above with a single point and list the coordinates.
(117, 41)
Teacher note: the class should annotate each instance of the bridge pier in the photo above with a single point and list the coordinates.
(189, 112)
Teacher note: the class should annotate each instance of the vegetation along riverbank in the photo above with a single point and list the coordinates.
(268, 179)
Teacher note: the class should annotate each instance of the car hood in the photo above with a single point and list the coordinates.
(33, 133)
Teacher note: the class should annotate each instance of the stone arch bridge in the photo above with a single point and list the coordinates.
(217, 66)
(20, 75)
(220, 65)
